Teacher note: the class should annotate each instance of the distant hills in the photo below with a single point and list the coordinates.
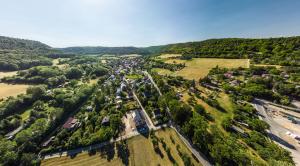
(104, 50)
(283, 51)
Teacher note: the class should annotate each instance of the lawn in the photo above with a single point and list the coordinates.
(25, 115)
(134, 76)
(199, 67)
(141, 153)
(7, 90)
(163, 71)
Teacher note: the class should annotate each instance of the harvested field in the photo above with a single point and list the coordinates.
(141, 153)
(199, 67)
(7, 74)
(7, 90)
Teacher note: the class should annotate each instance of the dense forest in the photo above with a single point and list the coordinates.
(7, 43)
(282, 51)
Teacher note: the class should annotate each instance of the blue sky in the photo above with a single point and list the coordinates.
(62, 23)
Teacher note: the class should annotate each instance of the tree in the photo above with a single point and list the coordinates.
(74, 73)
(37, 92)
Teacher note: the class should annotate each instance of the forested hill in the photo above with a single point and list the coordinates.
(20, 54)
(8, 43)
(284, 51)
(104, 50)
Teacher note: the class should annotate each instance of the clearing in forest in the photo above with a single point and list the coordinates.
(166, 56)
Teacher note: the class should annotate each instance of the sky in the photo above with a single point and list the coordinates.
(64, 23)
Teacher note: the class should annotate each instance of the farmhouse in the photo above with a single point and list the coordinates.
(138, 119)
(89, 108)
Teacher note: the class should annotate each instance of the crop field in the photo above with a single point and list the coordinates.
(140, 152)
(199, 67)
(7, 90)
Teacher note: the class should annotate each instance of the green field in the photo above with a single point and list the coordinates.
(199, 67)
(134, 76)
(141, 153)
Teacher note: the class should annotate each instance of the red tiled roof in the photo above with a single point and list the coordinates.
(70, 123)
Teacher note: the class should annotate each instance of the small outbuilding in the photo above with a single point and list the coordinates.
(105, 121)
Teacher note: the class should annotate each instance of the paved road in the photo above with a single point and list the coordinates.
(88, 148)
(277, 132)
(144, 113)
(200, 156)
(278, 105)
(14, 132)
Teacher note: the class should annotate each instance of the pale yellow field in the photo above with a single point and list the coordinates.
(263, 65)
(165, 56)
(199, 67)
(130, 55)
(7, 74)
(141, 153)
(7, 90)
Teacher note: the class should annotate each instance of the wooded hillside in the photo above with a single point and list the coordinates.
(283, 51)
(19, 54)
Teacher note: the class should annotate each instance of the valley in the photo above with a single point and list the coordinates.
(98, 108)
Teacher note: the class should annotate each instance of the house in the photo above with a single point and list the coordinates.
(89, 108)
(105, 121)
(179, 95)
(138, 119)
(234, 83)
(192, 90)
(118, 97)
(229, 74)
(239, 130)
(123, 86)
(118, 91)
(265, 75)
(146, 94)
(112, 77)
(71, 123)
